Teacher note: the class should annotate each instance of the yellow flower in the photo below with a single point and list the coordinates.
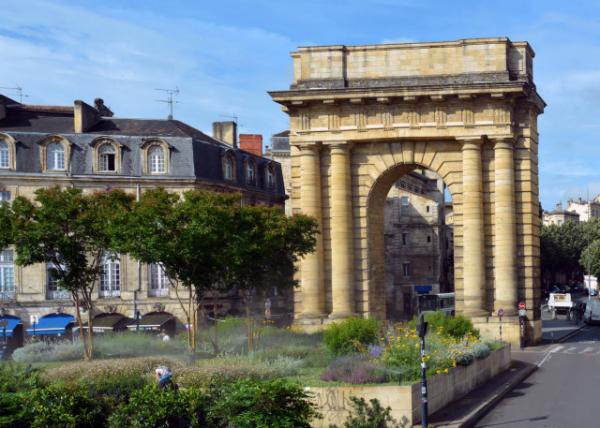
(445, 370)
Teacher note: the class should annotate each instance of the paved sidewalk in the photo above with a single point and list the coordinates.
(467, 411)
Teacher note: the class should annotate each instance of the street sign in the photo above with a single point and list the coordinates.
(521, 305)
(522, 312)
(500, 313)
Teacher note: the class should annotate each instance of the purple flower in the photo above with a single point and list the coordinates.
(375, 351)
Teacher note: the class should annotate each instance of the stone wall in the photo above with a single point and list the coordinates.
(405, 401)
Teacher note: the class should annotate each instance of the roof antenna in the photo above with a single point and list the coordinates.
(18, 90)
(170, 99)
(235, 118)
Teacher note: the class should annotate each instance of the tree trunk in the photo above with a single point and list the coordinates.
(90, 331)
(75, 295)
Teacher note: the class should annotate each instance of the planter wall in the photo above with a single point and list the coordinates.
(405, 401)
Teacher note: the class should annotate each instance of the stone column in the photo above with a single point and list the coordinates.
(311, 267)
(342, 245)
(505, 230)
(473, 233)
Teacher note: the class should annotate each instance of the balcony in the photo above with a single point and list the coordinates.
(58, 295)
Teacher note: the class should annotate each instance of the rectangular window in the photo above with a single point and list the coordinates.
(406, 269)
(107, 162)
(159, 281)
(5, 196)
(110, 276)
(4, 158)
(404, 238)
(428, 238)
(53, 290)
(59, 160)
(7, 273)
(404, 201)
(427, 208)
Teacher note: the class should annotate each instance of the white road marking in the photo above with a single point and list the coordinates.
(588, 349)
(549, 353)
(571, 349)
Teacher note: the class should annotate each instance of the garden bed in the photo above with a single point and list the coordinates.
(333, 402)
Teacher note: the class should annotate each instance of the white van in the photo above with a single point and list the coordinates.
(592, 311)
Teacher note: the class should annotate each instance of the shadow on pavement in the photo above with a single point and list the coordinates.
(517, 390)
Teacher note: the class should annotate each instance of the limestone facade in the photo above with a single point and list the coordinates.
(363, 116)
(415, 242)
(560, 216)
(76, 147)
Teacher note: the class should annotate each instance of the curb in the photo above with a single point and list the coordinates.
(571, 334)
(484, 408)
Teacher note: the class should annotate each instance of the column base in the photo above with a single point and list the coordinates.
(310, 323)
(475, 313)
(336, 316)
(508, 330)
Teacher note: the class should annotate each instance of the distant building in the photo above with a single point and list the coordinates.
(560, 216)
(85, 147)
(587, 210)
(279, 151)
(418, 244)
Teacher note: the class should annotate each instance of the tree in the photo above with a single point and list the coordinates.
(210, 243)
(263, 254)
(69, 231)
(590, 258)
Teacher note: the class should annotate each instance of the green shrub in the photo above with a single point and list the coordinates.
(44, 352)
(351, 335)
(261, 404)
(456, 326)
(150, 407)
(59, 405)
(16, 380)
(373, 415)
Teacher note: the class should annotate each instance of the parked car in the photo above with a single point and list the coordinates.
(592, 312)
(561, 303)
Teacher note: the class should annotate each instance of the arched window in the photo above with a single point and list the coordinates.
(4, 155)
(228, 168)
(110, 275)
(55, 156)
(250, 172)
(270, 177)
(156, 160)
(107, 158)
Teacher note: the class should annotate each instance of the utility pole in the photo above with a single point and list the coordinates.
(170, 99)
(422, 332)
(18, 90)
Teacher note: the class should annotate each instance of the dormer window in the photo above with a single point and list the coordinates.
(228, 165)
(7, 152)
(270, 178)
(156, 160)
(4, 155)
(250, 172)
(55, 157)
(107, 158)
(54, 153)
(155, 157)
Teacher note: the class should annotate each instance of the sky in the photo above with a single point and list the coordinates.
(225, 55)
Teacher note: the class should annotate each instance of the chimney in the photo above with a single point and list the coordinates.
(252, 143)
(84, 117)
(226, 132)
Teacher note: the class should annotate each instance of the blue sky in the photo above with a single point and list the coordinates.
(224, 55)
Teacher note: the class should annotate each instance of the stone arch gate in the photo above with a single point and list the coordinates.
(362, 116)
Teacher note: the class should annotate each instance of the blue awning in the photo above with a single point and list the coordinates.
(11, 323)
(52, 324)
(423, 289)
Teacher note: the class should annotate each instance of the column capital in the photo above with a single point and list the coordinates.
(471, 142)
(313, 146)
(500, 141)
(339, 145)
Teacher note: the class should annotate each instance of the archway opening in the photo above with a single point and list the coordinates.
(411, 240)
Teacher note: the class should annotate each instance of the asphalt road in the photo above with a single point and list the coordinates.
(562, 393)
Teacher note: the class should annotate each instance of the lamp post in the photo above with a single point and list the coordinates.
(422, 331)
(3, 324)
(33, 320)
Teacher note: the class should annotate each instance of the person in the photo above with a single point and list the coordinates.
(165, 336)
(164, 377)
